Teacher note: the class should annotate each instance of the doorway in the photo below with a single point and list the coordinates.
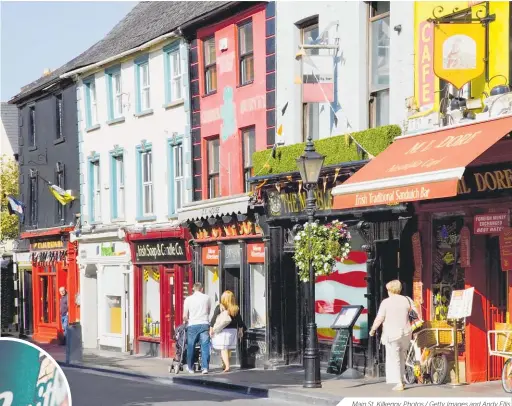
(386, 266)
(28, 322)
(231, 281)
(169, 312)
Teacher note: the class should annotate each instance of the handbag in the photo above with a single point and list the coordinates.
(223, 320)
(414, 319)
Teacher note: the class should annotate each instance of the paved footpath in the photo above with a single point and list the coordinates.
(283, 384)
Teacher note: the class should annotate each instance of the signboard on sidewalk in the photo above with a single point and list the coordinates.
(461, 304)
(506, 249)
(491, 223)
(338, 350)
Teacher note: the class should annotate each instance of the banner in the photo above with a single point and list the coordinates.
(459, 52)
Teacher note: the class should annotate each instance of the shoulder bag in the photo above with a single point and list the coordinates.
(223, 320)
(414, 320)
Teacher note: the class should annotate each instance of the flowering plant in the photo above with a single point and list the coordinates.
(323, 245)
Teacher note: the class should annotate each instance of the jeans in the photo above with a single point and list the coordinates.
(64, 320)
(201, 332)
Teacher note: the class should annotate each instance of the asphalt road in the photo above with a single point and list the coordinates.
(91, 388)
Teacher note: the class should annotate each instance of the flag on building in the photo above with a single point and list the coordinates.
(16, 207)
(63, 196)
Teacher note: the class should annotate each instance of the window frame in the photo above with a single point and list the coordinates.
(213, 175)
(170, 79)
(309, 25)
(173, 146)
(140, 63)
(117, 185)
(144, 148)
(94, 189)
(113, 96)
(242, 57)
(210, 66)
(59, 117)
(91, 103)
(247, 169)
(32, 133)
(33, 197)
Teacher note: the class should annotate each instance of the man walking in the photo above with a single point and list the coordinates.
(195, 312)
(64, 309)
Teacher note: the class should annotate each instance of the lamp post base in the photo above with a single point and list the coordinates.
(312, 360)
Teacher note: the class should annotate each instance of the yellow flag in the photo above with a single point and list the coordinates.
(61, 195)
(215, 276)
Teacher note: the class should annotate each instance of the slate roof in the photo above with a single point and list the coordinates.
(146, 21)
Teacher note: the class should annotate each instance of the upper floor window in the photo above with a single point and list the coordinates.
(173, 74)
(58, 110)
(114, 92)
(59, 181)
(213, 168)
(210, 65)
(145, 189)
(143, 84)
(379, 53)
(94, 190)
(246, 53)
(177, 180)
(117, 185)
(91, 103)
(309, 33)
(249, 147)
(33, 197)
(32, 127)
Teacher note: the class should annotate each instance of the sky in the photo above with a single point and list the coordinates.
(36, 35)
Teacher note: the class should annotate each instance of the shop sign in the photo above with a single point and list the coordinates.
(465, 247)
(506, 249)
(160, 251)
(487, 180)
(418, 258)
(425, 72)
(288, 203)
(232, 254)
(461, 304)
(210, 255)
(491, 223)
(256, 253)
(48, 245)
(459, 52)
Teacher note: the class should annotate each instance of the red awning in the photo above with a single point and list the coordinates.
(421, 166)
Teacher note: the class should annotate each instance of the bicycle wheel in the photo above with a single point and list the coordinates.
(506, 376)
(409, 376)
(438, 369)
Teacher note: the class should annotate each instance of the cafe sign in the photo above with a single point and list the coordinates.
(160, 251)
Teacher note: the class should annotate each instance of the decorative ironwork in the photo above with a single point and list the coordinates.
(463, 16)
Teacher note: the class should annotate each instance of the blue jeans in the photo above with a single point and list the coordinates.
(201, 332)
(64, 320)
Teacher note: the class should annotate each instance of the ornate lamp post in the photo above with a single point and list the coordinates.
(310, 164)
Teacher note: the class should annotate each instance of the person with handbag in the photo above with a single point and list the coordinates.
(226, 327)
(399, 318)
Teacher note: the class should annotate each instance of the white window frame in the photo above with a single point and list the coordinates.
(175, 75)
(247, 55)
(212, 66)
(117, 94)
(96, 173)
(247, 155)
(145, 90)
(120, 209)
(213, 176)
(148, 183)
(94, 102)
(179, 180)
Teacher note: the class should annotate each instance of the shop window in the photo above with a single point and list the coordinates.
(210, 65)
(258, 296)
(114, 315)
(246, 53)
(379, 55)
(151, 301)
(249, 147)
(213, 168)
(212, 285)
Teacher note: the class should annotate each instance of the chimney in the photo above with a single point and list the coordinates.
(47, 71)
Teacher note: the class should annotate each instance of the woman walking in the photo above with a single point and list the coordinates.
(226, 326)
(393, 314)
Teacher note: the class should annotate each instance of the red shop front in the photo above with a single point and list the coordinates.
(54, 265)
(162, 280)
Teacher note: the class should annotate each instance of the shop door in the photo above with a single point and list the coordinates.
(387, 267)
(170, 313)
(27, 306)
(497, 290)
(49, 300)
(231, 281)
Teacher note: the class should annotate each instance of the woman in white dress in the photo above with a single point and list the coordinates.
(226, 339)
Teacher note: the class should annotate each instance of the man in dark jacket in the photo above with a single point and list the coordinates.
(64, 308)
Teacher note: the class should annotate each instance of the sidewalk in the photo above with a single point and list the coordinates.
(284, 383)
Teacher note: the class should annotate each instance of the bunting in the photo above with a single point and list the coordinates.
(63, 196)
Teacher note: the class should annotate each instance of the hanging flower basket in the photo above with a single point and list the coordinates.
(323, 245)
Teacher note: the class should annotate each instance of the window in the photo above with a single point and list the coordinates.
(150, 301)
(91, 103)
(59, 181)
(249, 147)
(118, 95)
(177, 161)
(58, 121)
(246, 53)
(147, 182)
(309, 35)
(213, 168)
(33, 198)
(173, 73)
(114, 315)
(32, 127)
(117, 181)
(143, 85)
(210, 65)
(379, 63)
(257, 298)
(94, 190)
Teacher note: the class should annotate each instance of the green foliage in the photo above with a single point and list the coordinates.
(336, 149)
(8, 186)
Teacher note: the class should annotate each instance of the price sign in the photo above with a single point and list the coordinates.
(506, 249)
(461, 304)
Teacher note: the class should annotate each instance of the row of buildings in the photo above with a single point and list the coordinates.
(177, 135)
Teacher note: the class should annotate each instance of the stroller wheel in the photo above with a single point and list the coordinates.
(176, 369)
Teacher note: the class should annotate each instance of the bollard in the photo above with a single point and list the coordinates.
(74, 349)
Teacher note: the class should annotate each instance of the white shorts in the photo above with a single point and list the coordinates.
(225, 340)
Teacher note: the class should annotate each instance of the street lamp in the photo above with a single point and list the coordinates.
(310, 164)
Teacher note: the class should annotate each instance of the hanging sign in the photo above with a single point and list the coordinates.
(317, 79)
(425, 73)
(465, 247)
(461, 304)
(492, 223)
(459, 52)
(418, 258)
(506, 249)
(211, 255)
(160, 251)
(256, 253)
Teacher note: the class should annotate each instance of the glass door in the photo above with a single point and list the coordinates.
(49, 302)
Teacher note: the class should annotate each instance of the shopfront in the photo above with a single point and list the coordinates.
(106, 281)
(54, 265)
(460, 180)
(162, 281)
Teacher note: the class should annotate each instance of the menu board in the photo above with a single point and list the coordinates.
(461, 304)
(338, 350)
(506, 249)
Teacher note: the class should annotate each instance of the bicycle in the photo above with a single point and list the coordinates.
(502, 348)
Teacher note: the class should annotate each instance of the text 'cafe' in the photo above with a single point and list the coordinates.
(459, 180)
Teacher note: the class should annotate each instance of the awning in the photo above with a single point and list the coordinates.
(221, 206)
(420, 166)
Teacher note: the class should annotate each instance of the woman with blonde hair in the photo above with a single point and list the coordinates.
(226, 326)
(393, 314)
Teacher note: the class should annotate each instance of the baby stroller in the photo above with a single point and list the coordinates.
(180, 357)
